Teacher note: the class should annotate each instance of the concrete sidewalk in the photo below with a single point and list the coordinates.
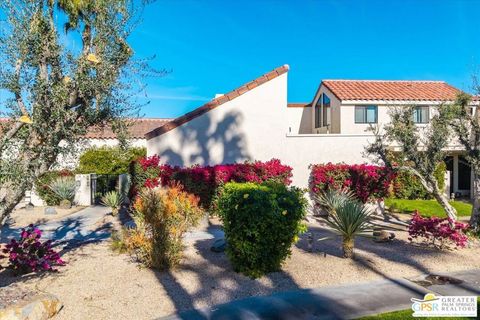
(339, 302)
(80, 227)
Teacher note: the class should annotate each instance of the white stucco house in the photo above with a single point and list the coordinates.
(256, 122)
(104, 136)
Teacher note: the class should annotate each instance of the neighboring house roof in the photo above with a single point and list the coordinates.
(391, 90)
(137, 129)
(217, 102)
(299, 105)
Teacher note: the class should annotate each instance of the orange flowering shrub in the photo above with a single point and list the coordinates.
(162, 216)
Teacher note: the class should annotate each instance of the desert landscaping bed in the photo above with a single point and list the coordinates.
(98, 283)
(23, 217)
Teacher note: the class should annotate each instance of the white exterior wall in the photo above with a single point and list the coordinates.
(299, 151)
(348, 125)
(251, 126)
(83, 194)
(254, 126)
(299, 120)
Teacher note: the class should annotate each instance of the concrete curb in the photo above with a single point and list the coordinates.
(348, 301)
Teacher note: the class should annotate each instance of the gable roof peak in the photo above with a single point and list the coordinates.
(218, 101)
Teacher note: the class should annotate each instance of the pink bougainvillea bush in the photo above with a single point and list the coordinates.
(29, 254)
(438, 232)
(368, 182)
(206, 181)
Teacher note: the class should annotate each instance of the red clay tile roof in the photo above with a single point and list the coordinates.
(137, 129)
(299, 105)
(391, 90)
(217, 102)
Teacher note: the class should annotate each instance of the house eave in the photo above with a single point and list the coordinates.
(396, 102)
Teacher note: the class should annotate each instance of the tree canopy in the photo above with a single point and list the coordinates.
(67, 66)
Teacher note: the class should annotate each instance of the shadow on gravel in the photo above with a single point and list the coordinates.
(302, 304)
(70, 235)
(218, 282)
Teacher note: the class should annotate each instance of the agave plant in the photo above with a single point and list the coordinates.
(347, 216)
(64, 188)
(114, 200)
(331, 199)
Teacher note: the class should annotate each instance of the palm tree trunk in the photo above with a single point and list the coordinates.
(348, 246)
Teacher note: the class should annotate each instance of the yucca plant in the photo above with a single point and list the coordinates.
(347, 216)
(64, 188)
(331, 199)
(114, 200)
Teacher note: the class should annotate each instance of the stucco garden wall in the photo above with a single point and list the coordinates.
(302, 150)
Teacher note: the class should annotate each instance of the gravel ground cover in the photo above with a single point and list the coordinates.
(100, 284)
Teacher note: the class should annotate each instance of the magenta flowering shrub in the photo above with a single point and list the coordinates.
(206, 181)
(368, 182)
(29, 254)
(437, 232)
(148, 172)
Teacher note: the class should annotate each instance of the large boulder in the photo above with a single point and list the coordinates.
(41, 307)
(383, 236)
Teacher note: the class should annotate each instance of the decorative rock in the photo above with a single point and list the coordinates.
(41, 307)
(383, 236)
(29, 206)
(50, 210)
(219, 245)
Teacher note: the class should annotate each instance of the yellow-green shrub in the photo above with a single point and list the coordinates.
(163, 215)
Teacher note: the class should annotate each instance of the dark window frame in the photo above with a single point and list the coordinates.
(326, 109)
(365, 108)
(318, 114)
(422, 121)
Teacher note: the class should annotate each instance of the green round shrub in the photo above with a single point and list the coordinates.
(261, 223)
(108, 160)
(407, 186)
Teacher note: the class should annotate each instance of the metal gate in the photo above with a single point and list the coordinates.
(101, 184)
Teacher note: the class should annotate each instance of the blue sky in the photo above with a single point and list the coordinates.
(215, 46)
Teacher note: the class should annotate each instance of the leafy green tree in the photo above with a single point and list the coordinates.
(403, 145)
(466, 126)
(61, 85)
